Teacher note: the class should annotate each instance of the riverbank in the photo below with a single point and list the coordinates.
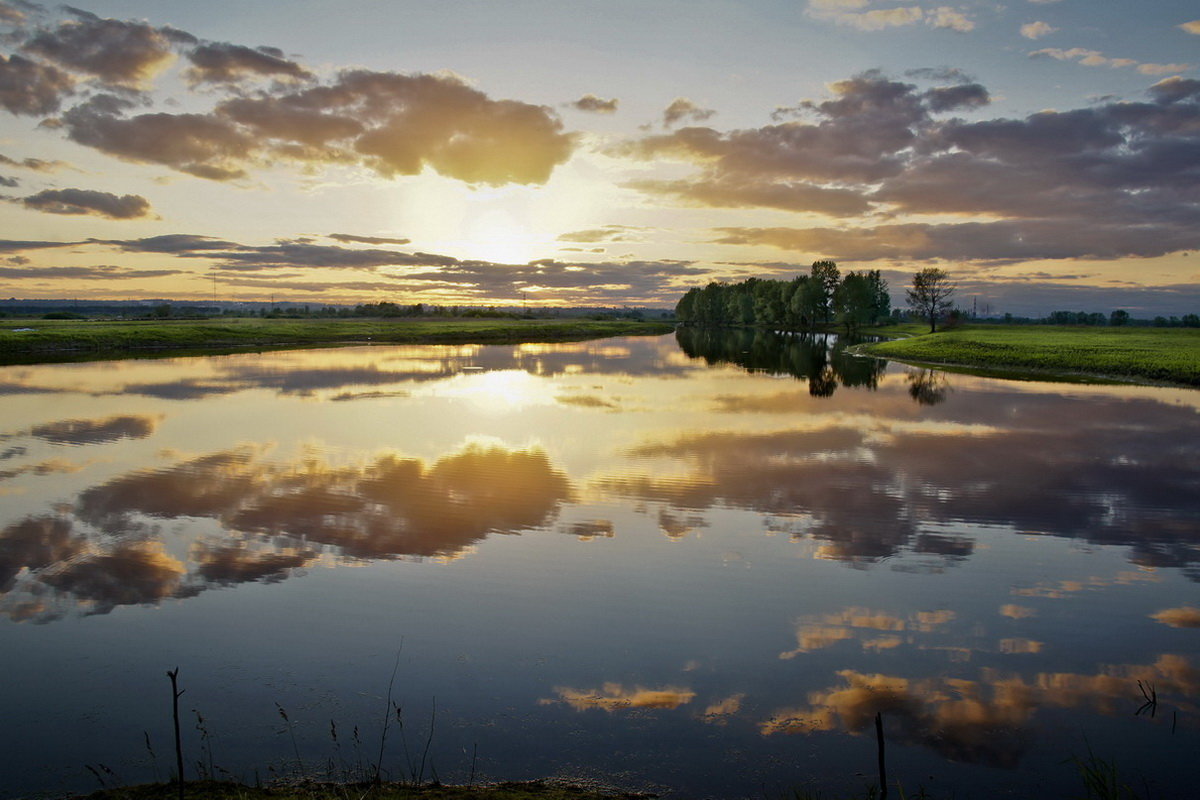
(1154, 355)
(32, 341)
(309, 790)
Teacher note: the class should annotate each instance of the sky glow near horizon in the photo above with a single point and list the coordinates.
(1046, 154)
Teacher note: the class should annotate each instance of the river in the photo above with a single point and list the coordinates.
(699, 563)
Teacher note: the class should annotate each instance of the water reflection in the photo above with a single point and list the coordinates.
(820, 359)
(275, 518)
(987, 721)
(678, 602)
(873, 489)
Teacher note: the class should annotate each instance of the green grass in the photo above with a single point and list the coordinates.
(50, 339)
(1169, 355)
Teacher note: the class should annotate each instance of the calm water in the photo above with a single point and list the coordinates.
(699, 564)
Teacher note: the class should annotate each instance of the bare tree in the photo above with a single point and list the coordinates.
(930, 294)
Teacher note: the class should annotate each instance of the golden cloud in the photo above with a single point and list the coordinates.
(615, 697)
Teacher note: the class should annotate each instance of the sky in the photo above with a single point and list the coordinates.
(1045, 153)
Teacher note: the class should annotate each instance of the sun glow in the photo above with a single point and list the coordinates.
(500, 391)
(497, 236)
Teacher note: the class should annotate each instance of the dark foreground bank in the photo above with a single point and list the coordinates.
(308, 790)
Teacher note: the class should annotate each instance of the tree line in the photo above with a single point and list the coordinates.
(823, 297)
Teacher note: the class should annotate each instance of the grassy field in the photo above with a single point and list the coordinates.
(1170, 355)
(33, 340)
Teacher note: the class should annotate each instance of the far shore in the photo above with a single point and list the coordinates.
(27, 341)
(1122, 354)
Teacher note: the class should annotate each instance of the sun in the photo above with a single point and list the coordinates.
(498, 236)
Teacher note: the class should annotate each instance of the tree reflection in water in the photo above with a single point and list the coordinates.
(820, 359)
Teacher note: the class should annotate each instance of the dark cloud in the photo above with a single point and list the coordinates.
(35, 543)
(298, 254)
(391, 123)
(132, 573)
(594, 104)
(179, 243)
(89, 202)
(96, 431)
(731, 193)
(346, 237)
(204, 145)
(1113, 180)
(220, 62)
(229, 563)
(9, 182)
(126, 54)
(682, 109)
(1015, 240)
(17, 246)
(1175, 89)
(30, 87)
(99, 273)
(954, 98)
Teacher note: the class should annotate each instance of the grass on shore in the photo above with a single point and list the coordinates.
(308, 790)
(1170, 355)
(32, 339)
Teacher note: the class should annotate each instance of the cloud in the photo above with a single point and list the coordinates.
(96, 431)
(10, 15)
(594, 104)
(35, 164)
(389, 507)
(963, 97)
(787, 196)
(1191, 27)
(1181, 617)
(177, 243)
(89, 202)
(346, 237)
(850, 13)
(1036, 30)
(822, 631)
(387, 122)
(202, 145)
(30, 87)
(1112, 180)
(125, 54)
(946, 17)
(17, 246)
(1162, 69)
(682, 109)
(221, 62)
(615, 697)
(608, 233)
(814, 474)
(104, 272)
(1094, 58)
(225, 563)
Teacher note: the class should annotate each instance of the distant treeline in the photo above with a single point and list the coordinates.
(823, 297)
(1119, 317)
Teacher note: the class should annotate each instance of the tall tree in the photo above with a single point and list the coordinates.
(825, 274)
(930, 294)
